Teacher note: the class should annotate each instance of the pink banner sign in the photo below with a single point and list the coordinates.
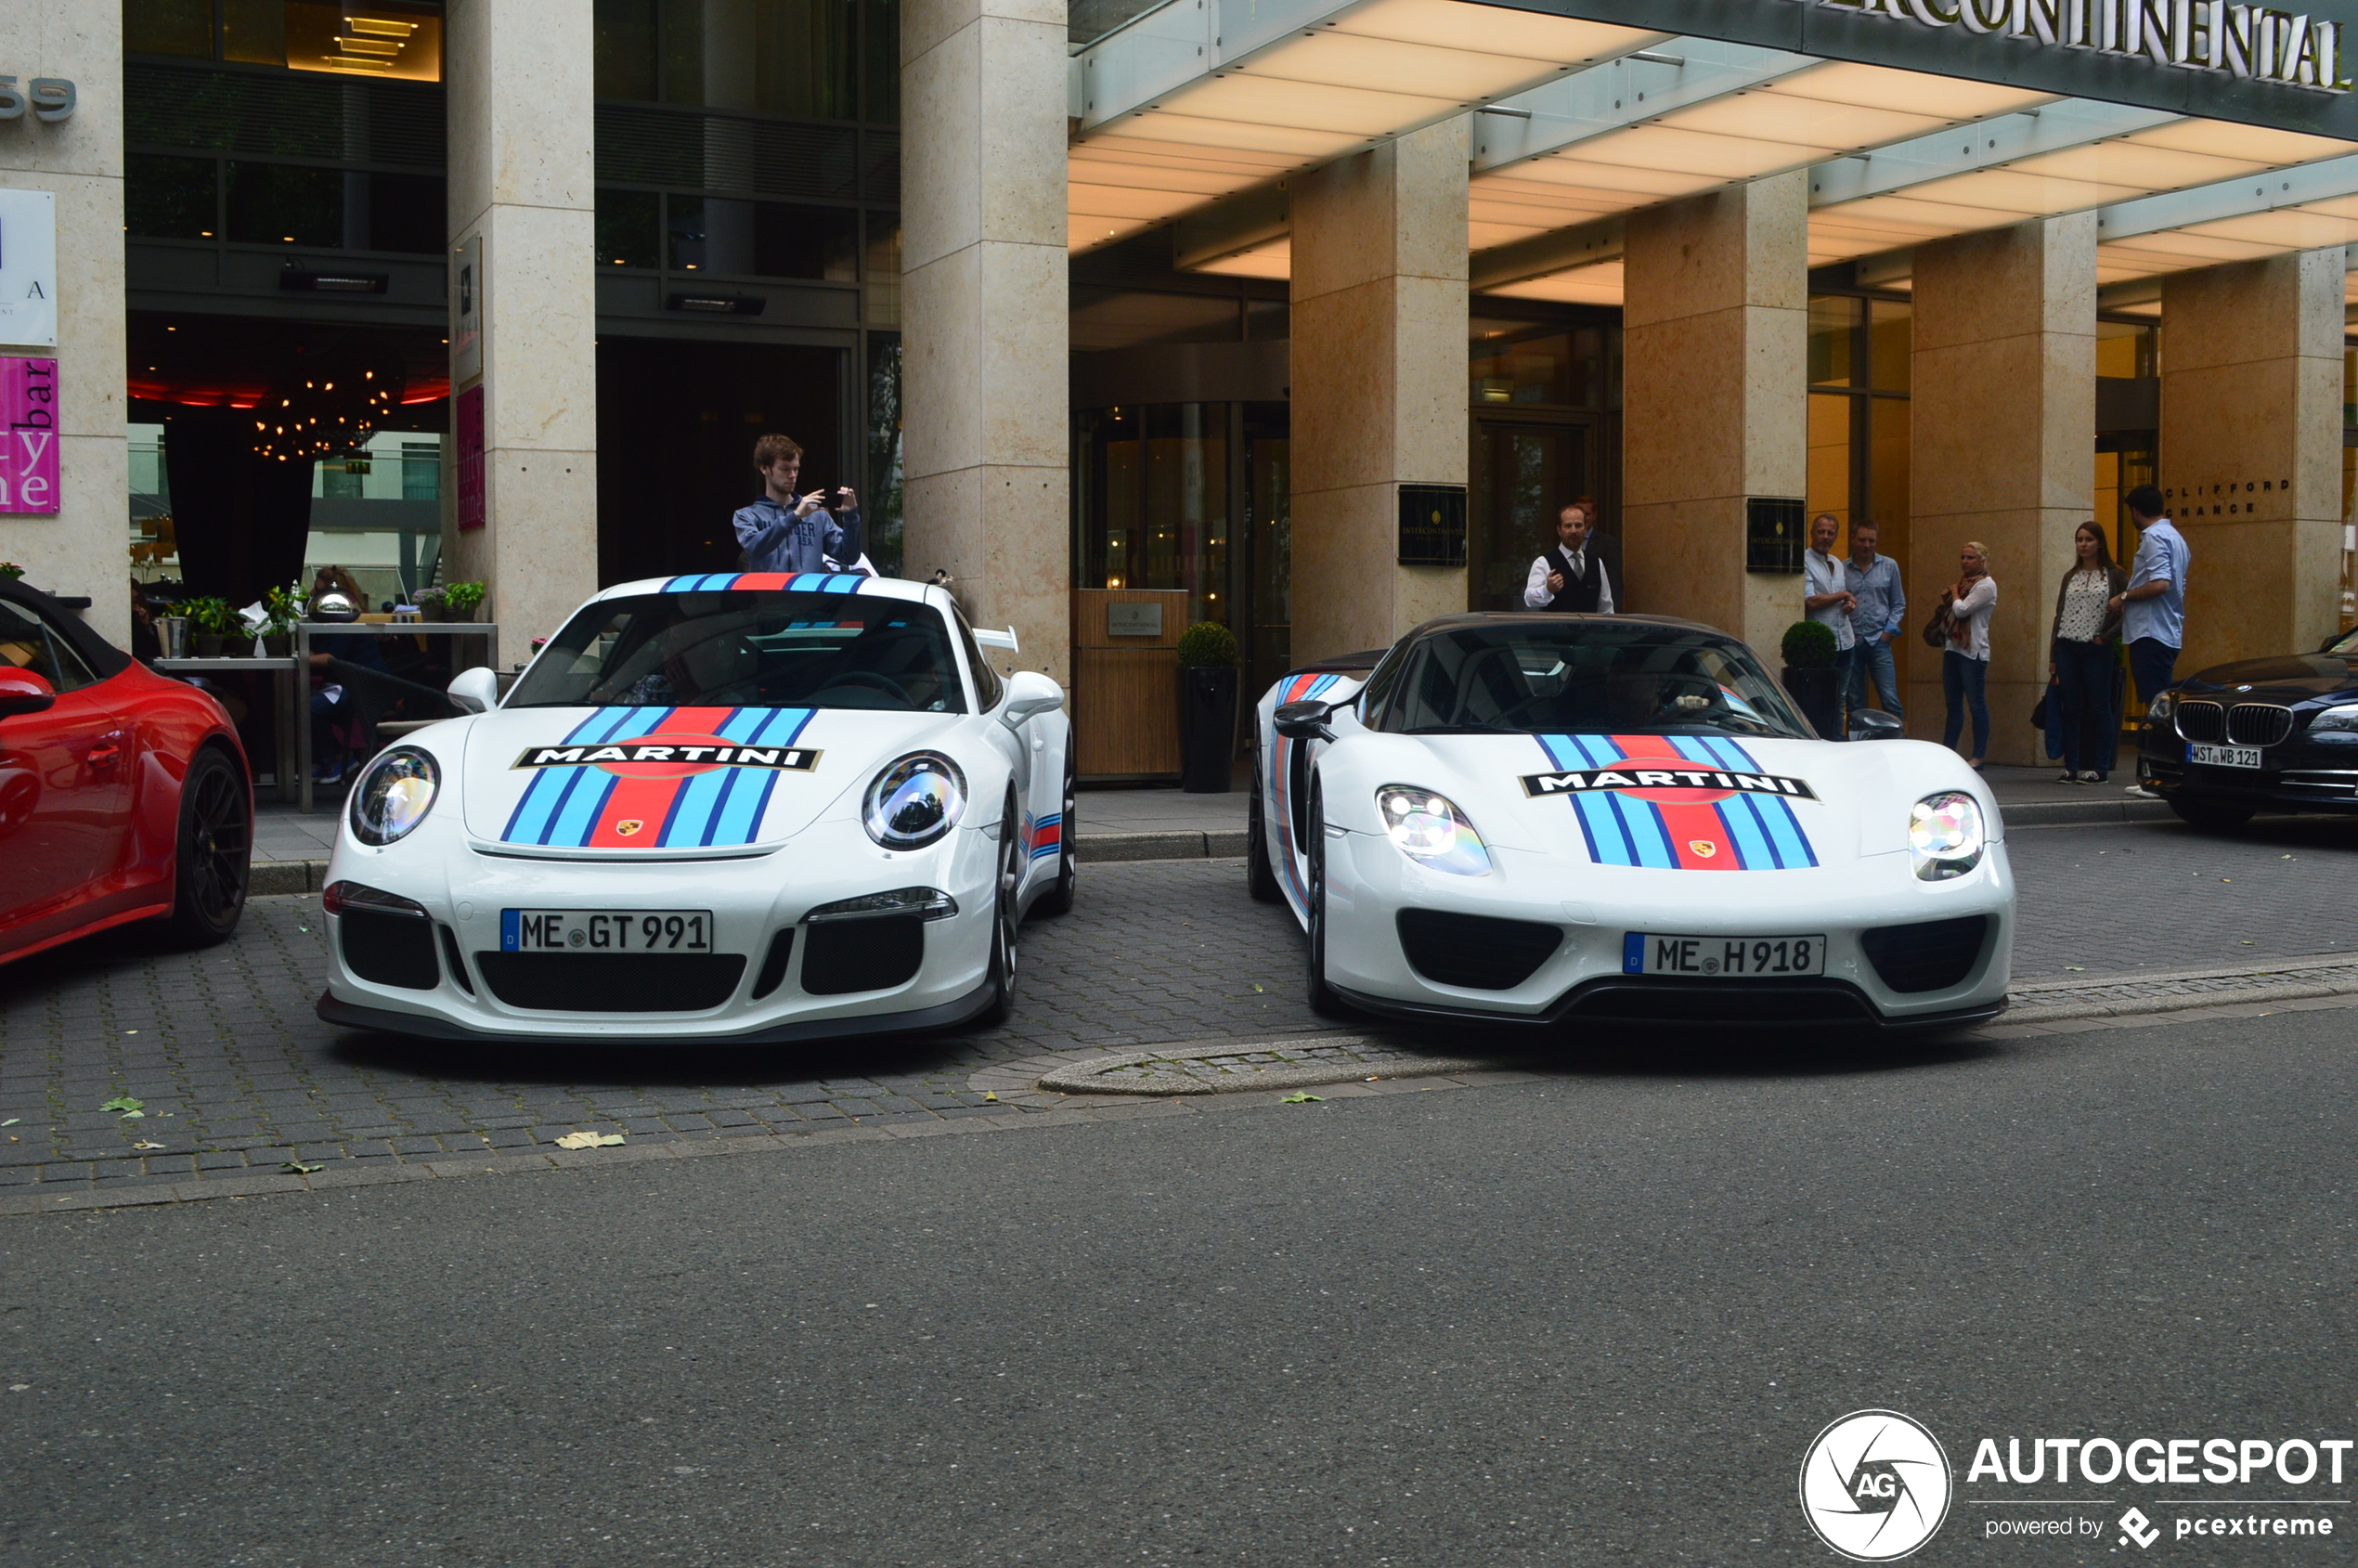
(471, 457)
(29, 461)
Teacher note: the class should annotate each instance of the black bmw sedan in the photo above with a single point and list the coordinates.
(2276, 734)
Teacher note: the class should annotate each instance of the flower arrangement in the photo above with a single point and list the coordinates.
(464, 597)
(10, 570)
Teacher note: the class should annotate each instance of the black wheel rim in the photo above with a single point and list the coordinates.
(1317, 896)
(220, 846)
(1068, 853)
(1010, 874)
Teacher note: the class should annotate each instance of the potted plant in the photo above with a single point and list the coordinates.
(214, 621)
(1207, 706)
(458, 602)
(10, 570)
(1810, 677)
(281, 608)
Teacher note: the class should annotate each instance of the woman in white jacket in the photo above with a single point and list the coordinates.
(1964, 666)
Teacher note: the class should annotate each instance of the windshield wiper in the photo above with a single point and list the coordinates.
(1463, 729)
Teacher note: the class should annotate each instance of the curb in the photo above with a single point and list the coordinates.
(2072, 813)
(1189, 845)
(271, 879)
(1083, 1078)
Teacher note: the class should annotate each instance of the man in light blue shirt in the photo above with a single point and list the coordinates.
(2153, 610)
(1881, 609)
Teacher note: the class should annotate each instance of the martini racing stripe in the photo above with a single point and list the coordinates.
(632, 803)
(1047, 834)
(725, 806)
(1743, 831)
(550, 797)
(1789, 846)
(794, 582)
(1301, 688)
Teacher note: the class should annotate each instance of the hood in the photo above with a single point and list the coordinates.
(1793, 804)
(2289, 678)
(673, 782)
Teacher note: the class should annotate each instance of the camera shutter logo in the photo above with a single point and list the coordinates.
(1875, 1486)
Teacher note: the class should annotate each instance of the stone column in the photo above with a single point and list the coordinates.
(82, 549)
(1713, 411)
(2251, 451)
(1378, 379)
(985, 423)
(522, 178)
(2001, 449)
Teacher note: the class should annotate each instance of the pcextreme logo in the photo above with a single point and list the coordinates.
(1875, 1486)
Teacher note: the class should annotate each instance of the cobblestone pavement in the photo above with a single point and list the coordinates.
(234, 1074)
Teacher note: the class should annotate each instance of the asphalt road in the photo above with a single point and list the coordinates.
(1592, 1319)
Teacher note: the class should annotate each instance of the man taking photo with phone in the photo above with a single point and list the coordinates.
(784, 532)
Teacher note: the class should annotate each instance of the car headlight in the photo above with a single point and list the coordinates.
(2342, 720)
(1945, 835)
(393, 795)
(2162, 706)
(1428, 829)
(914, 801)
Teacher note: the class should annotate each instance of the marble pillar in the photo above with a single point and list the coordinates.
(521, 184)
(84, 548)
(1714, 362)
(2251, 390)
(2002, 450)
(1379, 383)
(985, 421)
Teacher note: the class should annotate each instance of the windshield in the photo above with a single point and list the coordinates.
(749, 649)
(2347, 647)
(1584, 677)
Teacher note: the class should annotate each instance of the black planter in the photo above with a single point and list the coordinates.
(1207, 728)
(1818, 693)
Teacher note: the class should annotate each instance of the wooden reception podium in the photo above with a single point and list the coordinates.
(1125, 682)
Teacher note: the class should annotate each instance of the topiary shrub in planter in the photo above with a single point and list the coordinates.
(1207, 706)
(1810, 678)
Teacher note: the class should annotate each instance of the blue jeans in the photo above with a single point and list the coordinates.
(1872, 660)
(1965, 682)
(2153, 664)
(2084, 697)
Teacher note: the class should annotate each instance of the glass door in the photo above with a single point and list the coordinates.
(1525, 473)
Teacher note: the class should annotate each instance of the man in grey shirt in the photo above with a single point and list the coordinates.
(1881, 609)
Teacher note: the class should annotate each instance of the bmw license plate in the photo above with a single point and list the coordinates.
(1650, 952)
(605, 930)
(2224, 756)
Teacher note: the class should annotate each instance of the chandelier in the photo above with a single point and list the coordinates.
(327, 415)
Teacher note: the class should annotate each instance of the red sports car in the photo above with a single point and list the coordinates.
(123, 796)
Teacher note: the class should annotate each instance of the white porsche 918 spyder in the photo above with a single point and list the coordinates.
(1617, 818)
(740, 808)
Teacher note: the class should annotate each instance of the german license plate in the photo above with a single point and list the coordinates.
(1650, 952)
(605, 930)
(2224, 756)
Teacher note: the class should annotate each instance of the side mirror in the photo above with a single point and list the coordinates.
(1874, 724)
(474, 691)
(1030, 692)
(23, 692)
(1303, 721)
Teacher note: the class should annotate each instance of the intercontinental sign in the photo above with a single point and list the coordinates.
(2248, 42)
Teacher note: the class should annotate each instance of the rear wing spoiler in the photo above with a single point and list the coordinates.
(998, 639)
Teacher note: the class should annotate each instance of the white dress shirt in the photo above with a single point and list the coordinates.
(1535, 588)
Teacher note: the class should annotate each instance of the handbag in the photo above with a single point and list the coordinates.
(1937, 629)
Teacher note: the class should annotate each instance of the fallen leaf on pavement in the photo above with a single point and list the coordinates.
(297, 1168)
(144, 1145)
(127, 1107)
(11, 1122)
(588, 1140)
(990, 1096)
(1300, 1096)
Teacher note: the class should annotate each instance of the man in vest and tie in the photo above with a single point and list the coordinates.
(1570, 577)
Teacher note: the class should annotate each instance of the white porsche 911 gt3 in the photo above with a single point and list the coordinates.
(1551, 818)
(744, 808)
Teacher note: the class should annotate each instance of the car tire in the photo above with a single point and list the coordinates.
(1322, 997)
(213, 857)
(1261, 875)
(2210, 816)
(1003, 920)
(1058, 900)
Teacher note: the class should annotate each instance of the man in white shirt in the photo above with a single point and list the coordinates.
(1571, 577)
(1825, 586)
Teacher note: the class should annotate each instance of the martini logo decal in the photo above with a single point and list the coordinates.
(669, 778)
(1675, 802)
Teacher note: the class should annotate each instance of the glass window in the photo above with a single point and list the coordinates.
(422, 471)
(2125, 348)
(408, 214)
(1515, 362)
(1829, 455)
(1575, 677)
(625, 48)
(1890, 345)
(749, 649)
(168, 27)
(255, 30)
(168, 198)
(1834, 321)
(629, 228)
(763, 239)
(882, 51)
(373, 39)
(29, 642)
(989, 688)
(1132, 318)
(280, 204)
(1154, 506)
(880, 271)
(882, 513)
(770, 57)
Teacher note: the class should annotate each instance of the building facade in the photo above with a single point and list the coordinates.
(1302, 318)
